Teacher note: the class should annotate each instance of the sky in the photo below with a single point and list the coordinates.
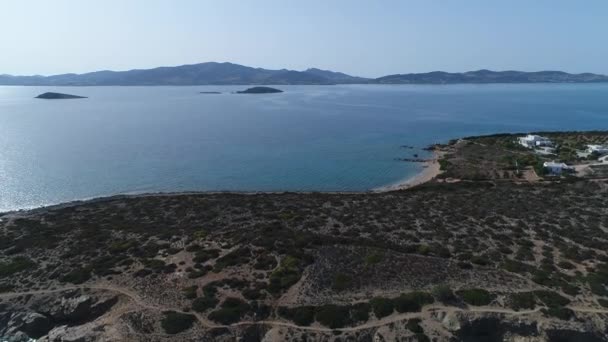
(368, 38)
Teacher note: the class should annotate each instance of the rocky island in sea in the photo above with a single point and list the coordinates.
(260, 90)
(58, 96)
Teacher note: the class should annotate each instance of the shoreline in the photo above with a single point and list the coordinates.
(428, 173)
(431, 169)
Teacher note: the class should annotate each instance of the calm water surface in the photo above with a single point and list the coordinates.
(325, 138)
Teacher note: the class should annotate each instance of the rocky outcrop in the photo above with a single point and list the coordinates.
(51, 314)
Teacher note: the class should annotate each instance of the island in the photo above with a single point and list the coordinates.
(498, 246)
(260, 90)
(210, 92)
(58, 96)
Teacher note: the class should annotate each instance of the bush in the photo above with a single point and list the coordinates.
(373, 258)
(175, 322)
(77, 276)
(203, 304)
(6, 287)
(412, 302)
(551, 299)
(522, 300)
(190, 292)
(16, 265)
(413, 325)
(477, 297)
(341, 282)
(443, 293)
(559, 312)
(303, 315)
(287, 274)
(360, 312)
(382, 306)
(231, 311)
(333, 316)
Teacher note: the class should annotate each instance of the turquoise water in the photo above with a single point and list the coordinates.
(325, 138)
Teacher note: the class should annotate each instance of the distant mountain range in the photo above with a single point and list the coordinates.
(213, 73)
(488, 76)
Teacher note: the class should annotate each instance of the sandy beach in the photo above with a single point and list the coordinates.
(429, 172)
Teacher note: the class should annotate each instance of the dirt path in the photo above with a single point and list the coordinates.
(136, 299)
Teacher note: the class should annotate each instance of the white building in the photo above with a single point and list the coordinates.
(557, 168)
(532, 141)
(601, 149)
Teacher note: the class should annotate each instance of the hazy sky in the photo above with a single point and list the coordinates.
(367, 37)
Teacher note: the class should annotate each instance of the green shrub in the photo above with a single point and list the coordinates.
(302, 315)
(443, 293)
(603, 302)
(202, 304)
(522, 300)
(6, 287)
(413, 325)
(286, 275)
(559, 312)
(190, 292)
(382, 306)
(341, 282)
(175, 322)
(374, 258)
(422, 338)
(333, 316)
(360, 312)
(477, 297)
(412, 302)
(231, 311)
(16, 265)
(77, 276)
(551, 299)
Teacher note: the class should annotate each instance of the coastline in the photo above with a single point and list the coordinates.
(429, 172)
(431, 169)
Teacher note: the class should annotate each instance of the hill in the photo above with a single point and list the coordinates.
(213, 73)
(488, 76)
(210, 73)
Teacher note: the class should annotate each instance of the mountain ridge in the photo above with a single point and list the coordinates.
(214, 73)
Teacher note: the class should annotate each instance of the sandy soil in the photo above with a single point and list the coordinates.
(428, 173)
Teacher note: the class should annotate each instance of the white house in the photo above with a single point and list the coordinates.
(601, 149)
(557, 168)
(532, 140)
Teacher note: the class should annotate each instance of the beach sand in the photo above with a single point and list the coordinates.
(428, 173)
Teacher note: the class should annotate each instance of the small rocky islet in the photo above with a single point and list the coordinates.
(58, 96)
(260, 90)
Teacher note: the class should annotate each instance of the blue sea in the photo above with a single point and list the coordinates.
(309, 138)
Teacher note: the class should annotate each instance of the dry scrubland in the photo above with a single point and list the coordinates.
(484, 251)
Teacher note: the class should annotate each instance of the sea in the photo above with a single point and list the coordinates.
(130, 140)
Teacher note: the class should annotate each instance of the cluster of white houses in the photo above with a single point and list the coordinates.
(544, 145)
(533, 141)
